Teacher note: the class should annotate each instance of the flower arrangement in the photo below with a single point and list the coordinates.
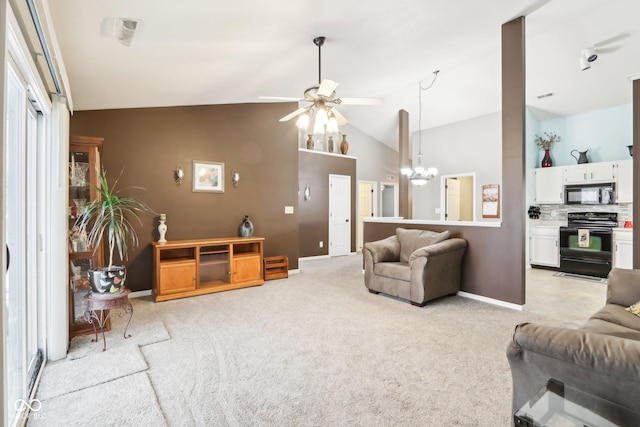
(546, 143)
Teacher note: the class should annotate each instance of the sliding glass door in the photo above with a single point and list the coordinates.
(24, 357)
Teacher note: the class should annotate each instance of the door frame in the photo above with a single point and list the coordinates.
(443, 192)
(396, 198)
(376, 210)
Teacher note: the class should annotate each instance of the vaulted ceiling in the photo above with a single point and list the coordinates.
(197, 52)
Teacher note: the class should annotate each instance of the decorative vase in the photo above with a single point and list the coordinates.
(582, 156)
(330, 144)
(546, 160)
(107, 281)
(162, 228)
(344, 145)
(246, 227)
(310, 142)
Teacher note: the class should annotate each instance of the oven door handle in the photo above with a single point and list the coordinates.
(585, 261)
(591, 229)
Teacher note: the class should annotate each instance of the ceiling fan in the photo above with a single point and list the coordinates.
(323, 100)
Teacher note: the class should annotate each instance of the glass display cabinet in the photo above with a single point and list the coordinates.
(84, 167)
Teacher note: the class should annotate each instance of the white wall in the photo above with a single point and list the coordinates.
(468, 146)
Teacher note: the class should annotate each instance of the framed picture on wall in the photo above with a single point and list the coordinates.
(491, 201)
(208, 176)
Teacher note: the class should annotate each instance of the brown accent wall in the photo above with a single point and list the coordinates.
(313, 214)
(150, 142)
(493, 265)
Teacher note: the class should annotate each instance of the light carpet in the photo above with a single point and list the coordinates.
(317, 349)
(142, 331)
(66, 376)
(127, 401)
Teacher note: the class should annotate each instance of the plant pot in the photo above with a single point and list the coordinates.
(107, 281)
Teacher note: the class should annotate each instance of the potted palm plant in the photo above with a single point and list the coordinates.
(109, 216)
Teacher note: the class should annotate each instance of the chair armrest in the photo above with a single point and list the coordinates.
(600, 364)
(385, 250)
(439, 248)
(623, 287)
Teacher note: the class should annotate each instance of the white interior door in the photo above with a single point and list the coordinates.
(453, 200)
(339, 215)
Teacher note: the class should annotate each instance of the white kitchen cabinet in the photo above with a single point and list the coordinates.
(624, 181)
(587, 173)
(623, 249)
(544, 245)
(549, 186)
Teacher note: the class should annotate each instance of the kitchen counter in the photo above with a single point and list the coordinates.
(397, 220)
(547, 223)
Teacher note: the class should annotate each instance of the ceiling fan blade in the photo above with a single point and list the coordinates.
(360, 101)
(342, 120)
(295, 113)
(327, 87)
(280, 98)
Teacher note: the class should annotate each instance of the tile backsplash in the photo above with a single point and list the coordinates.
(559, 212)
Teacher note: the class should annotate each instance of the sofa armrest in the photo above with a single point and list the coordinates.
(623, 287)
(603, 365)
(385, 250)
(439, 248)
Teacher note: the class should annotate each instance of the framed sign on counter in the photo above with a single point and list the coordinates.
(491, 201)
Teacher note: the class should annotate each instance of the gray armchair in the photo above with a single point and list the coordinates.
(416, 265)
(602, 357)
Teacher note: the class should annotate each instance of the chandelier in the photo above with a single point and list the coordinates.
(421, 175)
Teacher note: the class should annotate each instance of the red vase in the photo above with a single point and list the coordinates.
(546, 160)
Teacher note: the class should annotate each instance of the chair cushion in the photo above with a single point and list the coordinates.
(393, 270)
(410, 240)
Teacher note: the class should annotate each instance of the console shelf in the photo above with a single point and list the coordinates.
(184, 268)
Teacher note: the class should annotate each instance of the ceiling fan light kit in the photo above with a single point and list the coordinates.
(322, 101)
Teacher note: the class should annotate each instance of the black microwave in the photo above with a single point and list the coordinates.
(590, 194)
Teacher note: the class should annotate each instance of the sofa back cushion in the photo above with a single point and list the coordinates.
(410, 240)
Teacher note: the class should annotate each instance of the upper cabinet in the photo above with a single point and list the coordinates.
(549, 185)
(587, 173)
(624, 180)
(550, 182)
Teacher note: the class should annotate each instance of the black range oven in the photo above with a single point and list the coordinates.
(586, 243)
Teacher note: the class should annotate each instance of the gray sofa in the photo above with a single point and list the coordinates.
(416, 265)
(602, 357)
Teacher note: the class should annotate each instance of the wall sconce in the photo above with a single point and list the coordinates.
(235, 177)
(178, 175)
(307, 192)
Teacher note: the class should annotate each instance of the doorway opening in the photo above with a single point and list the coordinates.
(458, 197)
(389, 200)
(367, 206)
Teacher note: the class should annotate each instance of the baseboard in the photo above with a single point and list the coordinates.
(294, 271)
(140, 294)
(312, 258)
(491, 301)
